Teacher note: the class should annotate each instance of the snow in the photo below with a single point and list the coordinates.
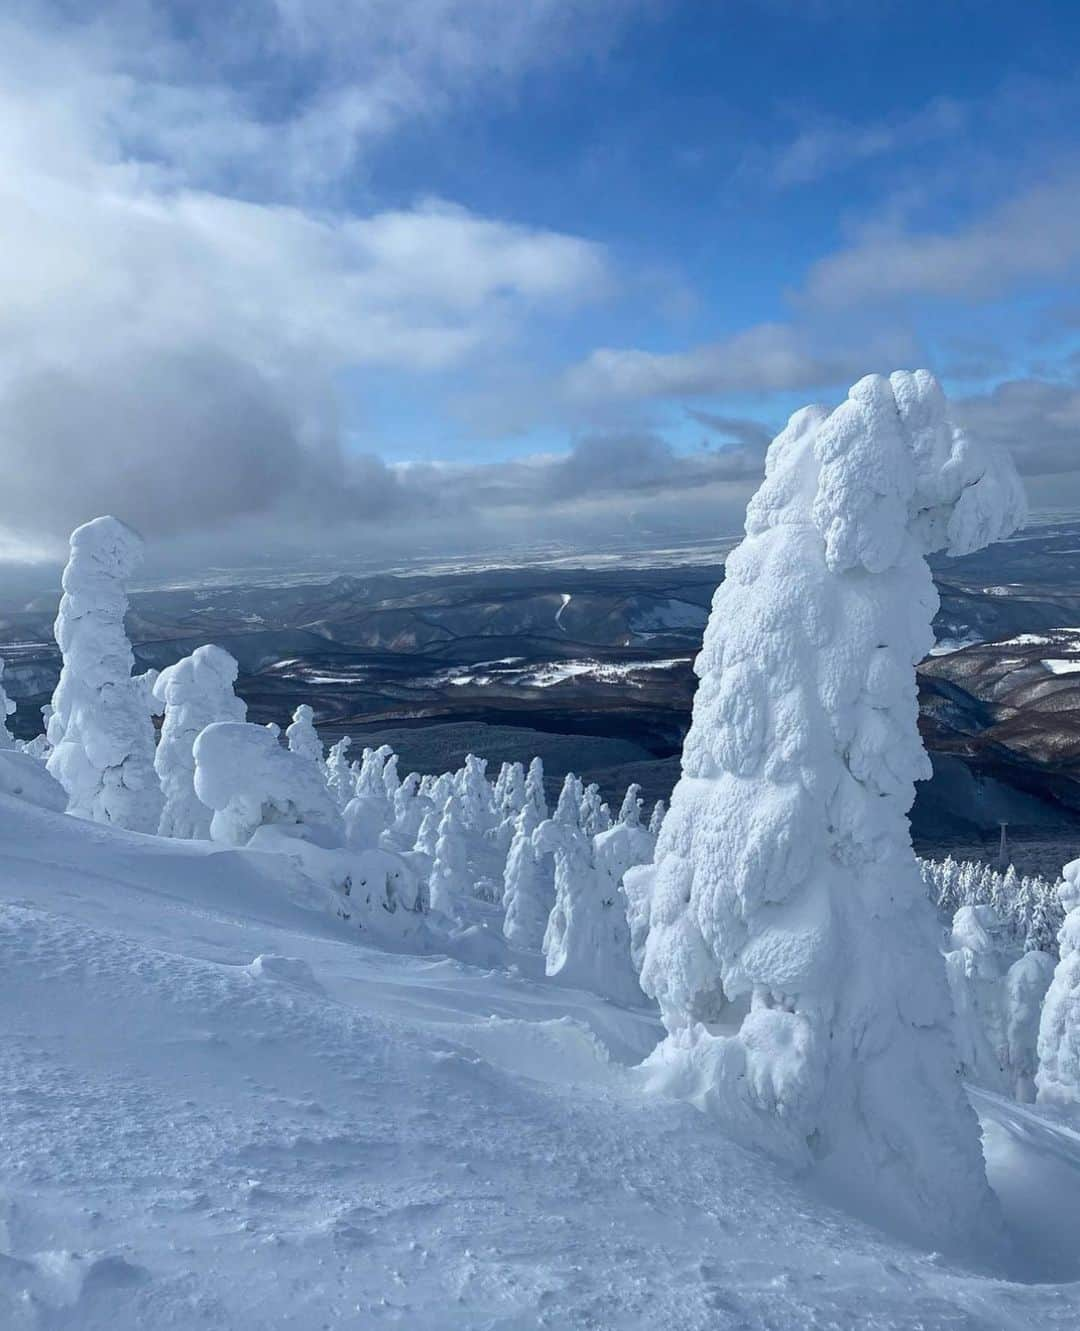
(1061, 667)
(1058, 1076)
(547, 674)
(222, 1112)
(194, 692)
(100, 729)
(789, 941)
(251, 781)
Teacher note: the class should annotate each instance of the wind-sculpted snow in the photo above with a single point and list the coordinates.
(100, 729)
(790, 944)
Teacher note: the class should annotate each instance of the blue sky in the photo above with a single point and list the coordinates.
(417, 257)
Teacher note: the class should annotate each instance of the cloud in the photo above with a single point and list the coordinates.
(1031, 237)
(751, 434)
(769, 357)
(1038, 421)
(289, 97)
(171, 353)
(829, 146)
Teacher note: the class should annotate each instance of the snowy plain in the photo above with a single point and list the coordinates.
(222, 1107)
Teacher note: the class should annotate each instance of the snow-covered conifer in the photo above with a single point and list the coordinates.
(534, 788)
(514, 796)
(1026, 984)
(302, 737)
(339, 777)
(100, 730)
(568, 808)
(408, 809)
(7, 708)
(587, 940)
(474, 789)
(630, 809)
(528, 885)
(785, 902)
(449, 884)
(427, 836)
(390, 778)
(656, 818)
(595, 815)
(369, 813)
(979, 956)
(251, 781)
(194, 692)
(1058, 1078)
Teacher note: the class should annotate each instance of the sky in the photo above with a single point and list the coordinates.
(459, 275)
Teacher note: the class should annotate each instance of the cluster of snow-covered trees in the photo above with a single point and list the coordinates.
(1028, 907)
(776, 913)
(459, 847)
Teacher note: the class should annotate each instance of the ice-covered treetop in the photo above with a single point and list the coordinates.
(887, 465)
(103, 552)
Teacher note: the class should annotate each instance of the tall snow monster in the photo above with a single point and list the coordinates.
(100, 730)
(789, 940)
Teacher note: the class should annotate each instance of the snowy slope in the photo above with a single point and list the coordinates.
(219, 1108)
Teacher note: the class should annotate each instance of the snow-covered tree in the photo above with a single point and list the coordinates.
(101, 732)
(252, 782)
(790, 943)
(528, 885)
(630, 809)
(339, 777)
(595, 815)
(474, 790)
(534, 788)
(656, 819)
(409, 808)
(390, 778)
(568, 807)
(194, 692)
(369, 814)
(1026, 985)
(302, 737)
(587, 940)
(427, 836)
(1058, 1078)
(449, 884)
(615, 852)
(980, 954)
(7, 708)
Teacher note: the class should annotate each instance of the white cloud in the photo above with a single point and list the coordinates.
(827, 146)
(169, 351)
(770, 357)
(1033, 236)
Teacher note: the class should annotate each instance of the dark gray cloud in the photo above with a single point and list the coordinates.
(751, 434)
